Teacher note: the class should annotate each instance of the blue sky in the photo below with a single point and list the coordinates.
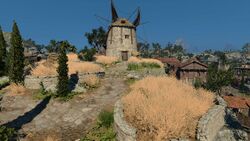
(200, 24)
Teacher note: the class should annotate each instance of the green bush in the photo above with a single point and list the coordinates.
(6, 133)
(134, 66)
(103, 131)
(4, 82)
(105, 119)
(150, 65)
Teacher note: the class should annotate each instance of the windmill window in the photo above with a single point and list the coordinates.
(126, 36)
(123, 21)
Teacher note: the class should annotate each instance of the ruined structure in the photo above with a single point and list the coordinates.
(121, 41)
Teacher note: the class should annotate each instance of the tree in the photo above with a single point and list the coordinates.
(62, 70)
(246, 48)
(3, 54)
(143, 48)
(16, 56)
(216, 79)
(156, 49)
(97, 38)
(87, 54)
(54, 46)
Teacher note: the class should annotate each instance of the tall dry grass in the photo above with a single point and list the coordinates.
(145, 60)
(91, 81)
(106, 60)
(15, 89)
(46, 68)
(163, 108)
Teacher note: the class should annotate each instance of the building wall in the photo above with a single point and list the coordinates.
(191, 75)
(117, 41)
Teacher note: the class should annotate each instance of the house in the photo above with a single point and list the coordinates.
(171, 65)
(243, 72)
(238, 104)
(192, 70)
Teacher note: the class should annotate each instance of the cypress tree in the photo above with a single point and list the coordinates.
(3, 55)
(16, 56)
(62, 70)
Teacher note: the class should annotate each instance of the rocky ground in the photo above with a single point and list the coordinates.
(65, 120)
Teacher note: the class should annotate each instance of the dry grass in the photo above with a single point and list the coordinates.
(46, 68)
(73, 57)
(145, 60)
(91, 81)
(163, 108)
(106, 60)
(14, 90)
(51, 138)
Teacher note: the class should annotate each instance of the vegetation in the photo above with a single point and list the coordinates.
(16, 57)
(103, 131)
(165, 107)
(216, 78)
(91, 81)
(137, 64)
(46, 68)
(4, 82)
(54, 46)
(106, 60)
(62, 70)
(6, 133)
(87, 54)
(97, 39)
(3, 54)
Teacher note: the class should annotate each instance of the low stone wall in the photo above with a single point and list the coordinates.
(211, 123)
(124, 131)
(50, 82)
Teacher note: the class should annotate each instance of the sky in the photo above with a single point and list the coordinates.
(198, 24)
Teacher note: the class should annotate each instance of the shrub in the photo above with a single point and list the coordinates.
(103, 131)
(87, 54)
(45, 68)
(15, 89)
(106, 119)
(106, 60)
(91, 81)
(164, 108)
(134, 66)
(4, 82)
(136, 63)
(6, 133)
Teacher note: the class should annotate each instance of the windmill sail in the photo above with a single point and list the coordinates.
(114, 13)
(138, 19)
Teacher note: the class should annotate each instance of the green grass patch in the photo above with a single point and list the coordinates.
(4, 82)
(7, 134)
(138, 66)
(103, 131)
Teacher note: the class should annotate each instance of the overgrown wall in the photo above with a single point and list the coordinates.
(124, 131)
(210, 124)
(50, 82)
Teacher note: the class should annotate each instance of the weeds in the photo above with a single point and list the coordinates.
(103, 131)
(6, 133)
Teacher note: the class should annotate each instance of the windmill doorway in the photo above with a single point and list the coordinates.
(124, 55)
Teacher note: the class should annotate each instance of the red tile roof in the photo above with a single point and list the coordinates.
(237, 102)
(171, 61)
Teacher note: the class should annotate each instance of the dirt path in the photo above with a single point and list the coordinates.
(68, 120)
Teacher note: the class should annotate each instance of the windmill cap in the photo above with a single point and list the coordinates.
(122, 22)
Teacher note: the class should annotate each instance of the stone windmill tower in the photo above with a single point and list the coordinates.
(121, 41)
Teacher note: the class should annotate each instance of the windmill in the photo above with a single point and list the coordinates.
(121, 39)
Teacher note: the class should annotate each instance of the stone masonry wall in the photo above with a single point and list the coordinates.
(117, 42)
(50, 82)
(210, 124)
(124, 131)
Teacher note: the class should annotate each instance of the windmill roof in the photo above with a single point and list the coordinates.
(122, 22)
